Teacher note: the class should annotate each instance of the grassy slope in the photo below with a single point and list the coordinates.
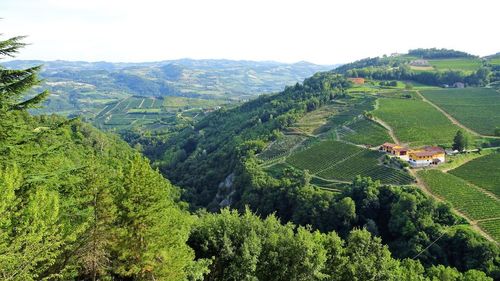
(461, 194)
(463, 64)
(415, 121)
(476, 108)
(483, 172)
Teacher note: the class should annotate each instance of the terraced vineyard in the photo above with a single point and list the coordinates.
(335, 160)
(492, 227)
(461, 194)
(281, 147)
(322, 155)
(365, 164)
(483, 172)
(365, 132)
(476, 108)
(415, 121)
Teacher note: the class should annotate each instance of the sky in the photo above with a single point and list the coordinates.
(318, 31)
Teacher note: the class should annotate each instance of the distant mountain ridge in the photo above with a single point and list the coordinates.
(79, 87)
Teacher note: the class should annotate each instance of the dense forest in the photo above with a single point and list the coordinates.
(80, 204)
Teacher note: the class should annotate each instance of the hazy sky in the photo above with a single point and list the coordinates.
(323, 32)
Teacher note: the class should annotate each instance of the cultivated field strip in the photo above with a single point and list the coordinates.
(322, 155)
(334, 160)
(415, 121)
(464, 196)
(475, 108)
(492, 227)
(483, 172)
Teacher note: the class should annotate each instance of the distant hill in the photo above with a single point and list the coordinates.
(73, 81)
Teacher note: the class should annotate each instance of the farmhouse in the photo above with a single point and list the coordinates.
(429, 155)
(396, 150)
(357, 81)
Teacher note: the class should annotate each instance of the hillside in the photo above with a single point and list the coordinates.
(437, 67)
(86, 87)
(79, 204)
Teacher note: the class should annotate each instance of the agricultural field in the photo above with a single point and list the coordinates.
(321, 156)
(463, 64)
(492, 227)
(483, 172)
(281, 147)
(462, 195)
(333, 160)
(415, 122)
(365, 132)
(476, 108)
(366, 164)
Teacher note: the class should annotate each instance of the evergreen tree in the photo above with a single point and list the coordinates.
(459, 141)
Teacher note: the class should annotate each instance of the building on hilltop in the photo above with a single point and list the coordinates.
(423, 157)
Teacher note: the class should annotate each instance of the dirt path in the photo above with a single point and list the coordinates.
(473, 223)
(386, 126)
(421, 184)
(451, 118)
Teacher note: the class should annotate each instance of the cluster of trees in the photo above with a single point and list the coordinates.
(480, 77)
(405, 219)
(434, 53)
(78, 204)
(245, 247)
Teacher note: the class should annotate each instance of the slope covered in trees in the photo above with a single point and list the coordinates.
(78, 204)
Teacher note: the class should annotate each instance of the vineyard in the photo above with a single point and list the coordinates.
(366, 164)
(463, 64)
(462, 195)
(476, 108)
(281, 147)
(322, 155)
(333, 160)
(492, 227)
(483, 172)
(365, 132)
(416, 122)
(154, 113)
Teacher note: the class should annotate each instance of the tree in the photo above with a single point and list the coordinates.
(153, 229)
(30, 234)
(459, 141)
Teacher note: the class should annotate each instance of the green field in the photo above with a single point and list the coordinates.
(321, 156)
(464, 64)
(492, 227)
(335, 160)
(483, 172)
(364, 132)
(462, 195)
(366, 164)
(415, 121)
(476, 108)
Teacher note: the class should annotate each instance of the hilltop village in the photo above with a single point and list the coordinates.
(422, 157)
